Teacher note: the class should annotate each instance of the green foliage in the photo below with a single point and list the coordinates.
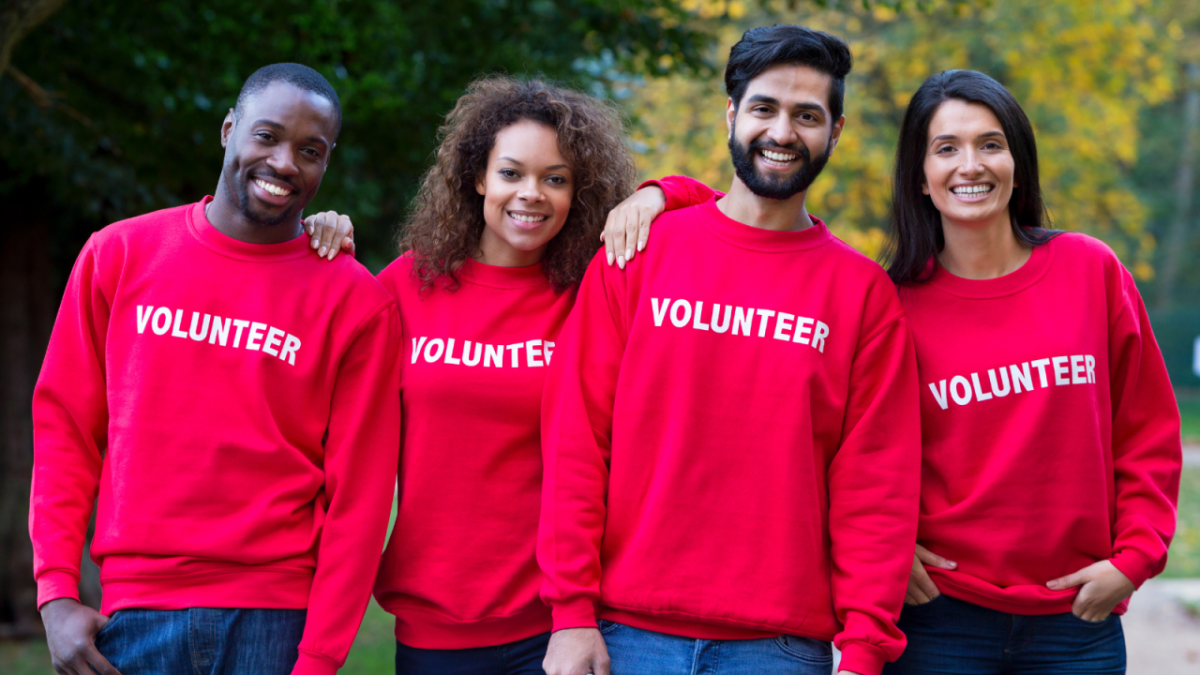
(1183, 560)
(137, 92)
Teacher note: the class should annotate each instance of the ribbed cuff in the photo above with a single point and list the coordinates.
(862, 657)
(671, 191)
(311, 663)
(579, 613)
(55, 585)
(1135, 565)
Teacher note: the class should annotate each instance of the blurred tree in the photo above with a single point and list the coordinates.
(108, 110)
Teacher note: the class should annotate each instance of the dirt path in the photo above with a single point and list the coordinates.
(1161, 637)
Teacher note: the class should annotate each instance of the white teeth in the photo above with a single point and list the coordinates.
(527, 219)
(272, 189)
(972, 189)
(777, 157)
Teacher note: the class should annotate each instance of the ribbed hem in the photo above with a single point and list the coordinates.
(579, 613)
(1028, 599)
(235, 588)
(862, 657)
(56, 585)
(311, 663)
(429, 630)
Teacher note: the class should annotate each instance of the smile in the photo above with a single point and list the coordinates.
(972, 190)
(271, 188)
(776, 159)
(524, 218)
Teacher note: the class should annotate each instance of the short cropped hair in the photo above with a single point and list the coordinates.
(295, 74)
(768, 46)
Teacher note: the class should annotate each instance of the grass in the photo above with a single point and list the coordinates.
(1184, 560)
(1189, 410)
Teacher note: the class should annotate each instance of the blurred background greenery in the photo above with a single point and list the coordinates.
(109, 110)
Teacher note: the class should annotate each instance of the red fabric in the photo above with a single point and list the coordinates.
(459, 571)
(709, 482)
(1081, 465)
(226, 463)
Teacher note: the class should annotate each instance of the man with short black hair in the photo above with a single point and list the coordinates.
(230, 403)
(730, 426)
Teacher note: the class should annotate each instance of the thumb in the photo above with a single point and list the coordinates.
(101, 621)
(928, 557)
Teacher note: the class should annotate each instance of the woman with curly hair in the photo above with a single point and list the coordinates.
(501, 232)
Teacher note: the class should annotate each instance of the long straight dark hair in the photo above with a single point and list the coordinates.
(916, 235)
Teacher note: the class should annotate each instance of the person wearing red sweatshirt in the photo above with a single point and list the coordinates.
(1051, 444)
(729, 426)
(505, 223)
(229, 404)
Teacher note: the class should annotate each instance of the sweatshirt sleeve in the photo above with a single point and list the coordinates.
(682, 191)
(361, 454)
(577, 413)
(70, 431)
(1146, 446)
(874, 486)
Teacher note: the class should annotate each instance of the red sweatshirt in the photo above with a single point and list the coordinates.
(233, 407)
(460, 570)
(1050, 429)
(731, 443)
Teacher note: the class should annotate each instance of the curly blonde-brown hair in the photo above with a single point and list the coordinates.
(446, 221)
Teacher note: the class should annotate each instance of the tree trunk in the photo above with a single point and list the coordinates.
(25, 320)
(1177, 236)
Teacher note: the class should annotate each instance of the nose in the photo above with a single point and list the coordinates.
(782, 131)
(283, 160)
(970, 165)
(530, 190)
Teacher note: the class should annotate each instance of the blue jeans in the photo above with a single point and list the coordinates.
(523, 657)
(951, 636)
(202, 641)
(634, 651)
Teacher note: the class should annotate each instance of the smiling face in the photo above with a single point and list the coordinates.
(781, 134)
(277, 146)
(527, 190)
(968, 166)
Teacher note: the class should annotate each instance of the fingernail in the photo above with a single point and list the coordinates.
(628, 253)
(322, 251)
(641, 246)
(621, 262)
(315, 242)
(953, 564)
(610, 259)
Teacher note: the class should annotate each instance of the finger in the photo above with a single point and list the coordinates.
(347, 245)
(601, 665)
(97, 661)
(632, 225)
(643, 233)
(307, 223)
(608, 247)
(618, 241)
(930, 558)
(327, 234)
(1063, 583)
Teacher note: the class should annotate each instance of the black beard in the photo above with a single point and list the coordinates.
(770, 187)
(264, 219)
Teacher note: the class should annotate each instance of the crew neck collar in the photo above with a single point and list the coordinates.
(758, 239)
(1014, 282)
(214, 239)
(495, 276)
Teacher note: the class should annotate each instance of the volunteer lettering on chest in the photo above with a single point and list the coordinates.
(1015, 379)
(741, 321)
(222, 331)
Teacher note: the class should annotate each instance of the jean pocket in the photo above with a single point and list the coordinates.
(109, 624)
(1094, 624)
(941, 597)
(607, 626)
(806, 649)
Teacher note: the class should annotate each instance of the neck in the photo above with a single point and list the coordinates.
(228, 219)
(781, 215)
(500, 254)
(982, 251)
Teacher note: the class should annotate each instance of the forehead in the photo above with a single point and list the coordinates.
(959, 118)
(288, 104)
(791, 84)
(530, 143)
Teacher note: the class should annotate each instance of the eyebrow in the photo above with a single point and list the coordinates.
(556, 166)
(951, 137)
(763, 98)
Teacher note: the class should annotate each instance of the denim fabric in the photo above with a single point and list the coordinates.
(202, 641)
(634, 651)
(523, 657)
(951, 636)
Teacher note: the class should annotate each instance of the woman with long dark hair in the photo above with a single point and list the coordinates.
(501, 232)
(1051, 446)
(1050, 433)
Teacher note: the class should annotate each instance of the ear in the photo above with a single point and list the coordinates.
(730, 116)
(836, 134)
(227, 128)
(924, 186)
(480, 185)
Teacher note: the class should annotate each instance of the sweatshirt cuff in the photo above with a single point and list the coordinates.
(862, 657)
(311, 663)
(671, 191)
(55, 585)
(1135, 565)
(579, 613)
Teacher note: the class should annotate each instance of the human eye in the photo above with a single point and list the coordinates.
(265, 135)
(509, 173)
(944, 149)
(993, 145)
(557, 180)
(312, 152)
